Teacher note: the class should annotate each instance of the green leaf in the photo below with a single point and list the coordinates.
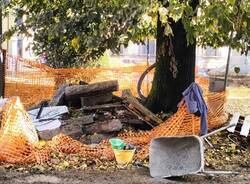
(75, 43)
(168, 30)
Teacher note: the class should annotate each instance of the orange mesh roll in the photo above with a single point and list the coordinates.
(17, 133)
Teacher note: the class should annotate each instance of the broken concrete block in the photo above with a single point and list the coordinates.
(103, 127)
(48, 134)
(73, 130)
(96, 99)
(95, 138)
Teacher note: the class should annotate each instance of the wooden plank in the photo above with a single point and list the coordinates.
(139, 116)
(134, 103)
(245, 127)
(103, 106)
(132, 121)
(234, 120)
(75, 91)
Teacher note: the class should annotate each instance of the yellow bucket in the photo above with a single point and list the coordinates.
(124, 157)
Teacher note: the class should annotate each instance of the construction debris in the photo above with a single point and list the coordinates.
(245, 127)
(97, 122)
(84, 94)
(104, 106)
(96, 99)
(95, 138)
(90, 94)
(49, 133)
(59, 97)
(97, 115)
(70, 126)
(46, 118)
(241, 127)
(114, 125)
(74, 91)
(139, 109)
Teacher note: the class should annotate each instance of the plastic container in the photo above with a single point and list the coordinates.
(117, 144)
(124, 157)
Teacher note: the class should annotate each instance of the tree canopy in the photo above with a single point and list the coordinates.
(74, 32)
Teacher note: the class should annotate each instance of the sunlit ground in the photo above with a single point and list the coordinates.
(238, 100)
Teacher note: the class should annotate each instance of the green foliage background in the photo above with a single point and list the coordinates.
(72, 33)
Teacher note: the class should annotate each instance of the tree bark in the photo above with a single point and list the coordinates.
(166, 91)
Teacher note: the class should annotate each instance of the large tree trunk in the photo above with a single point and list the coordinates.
(167, 88)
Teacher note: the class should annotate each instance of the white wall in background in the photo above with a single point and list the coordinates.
(17, 45)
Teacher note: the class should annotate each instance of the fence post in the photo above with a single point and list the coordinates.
(2, 72)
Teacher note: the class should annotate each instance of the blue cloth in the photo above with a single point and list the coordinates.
(196, 104)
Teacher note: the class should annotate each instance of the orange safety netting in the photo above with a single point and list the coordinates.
(27, 79)
(19, 142)
(18, 138)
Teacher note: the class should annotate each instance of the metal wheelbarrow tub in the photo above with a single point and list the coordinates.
(181, 155)
(176, 156)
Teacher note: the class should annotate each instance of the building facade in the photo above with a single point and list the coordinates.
(17, 45)
(206, 58)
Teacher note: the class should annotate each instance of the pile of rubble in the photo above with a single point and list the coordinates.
(94, 113)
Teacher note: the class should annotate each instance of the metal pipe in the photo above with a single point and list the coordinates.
(237, 3)
(227, 67)
(218, 130)
(147, 64)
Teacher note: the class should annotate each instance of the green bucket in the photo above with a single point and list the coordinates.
(117, 144)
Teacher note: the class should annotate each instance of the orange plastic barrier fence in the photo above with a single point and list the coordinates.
(18, 138)
(35, 82)
(27, 79)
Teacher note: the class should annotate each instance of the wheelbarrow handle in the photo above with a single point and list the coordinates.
(218, 130)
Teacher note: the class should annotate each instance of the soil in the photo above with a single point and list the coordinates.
(229, 153)
(134, 175)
